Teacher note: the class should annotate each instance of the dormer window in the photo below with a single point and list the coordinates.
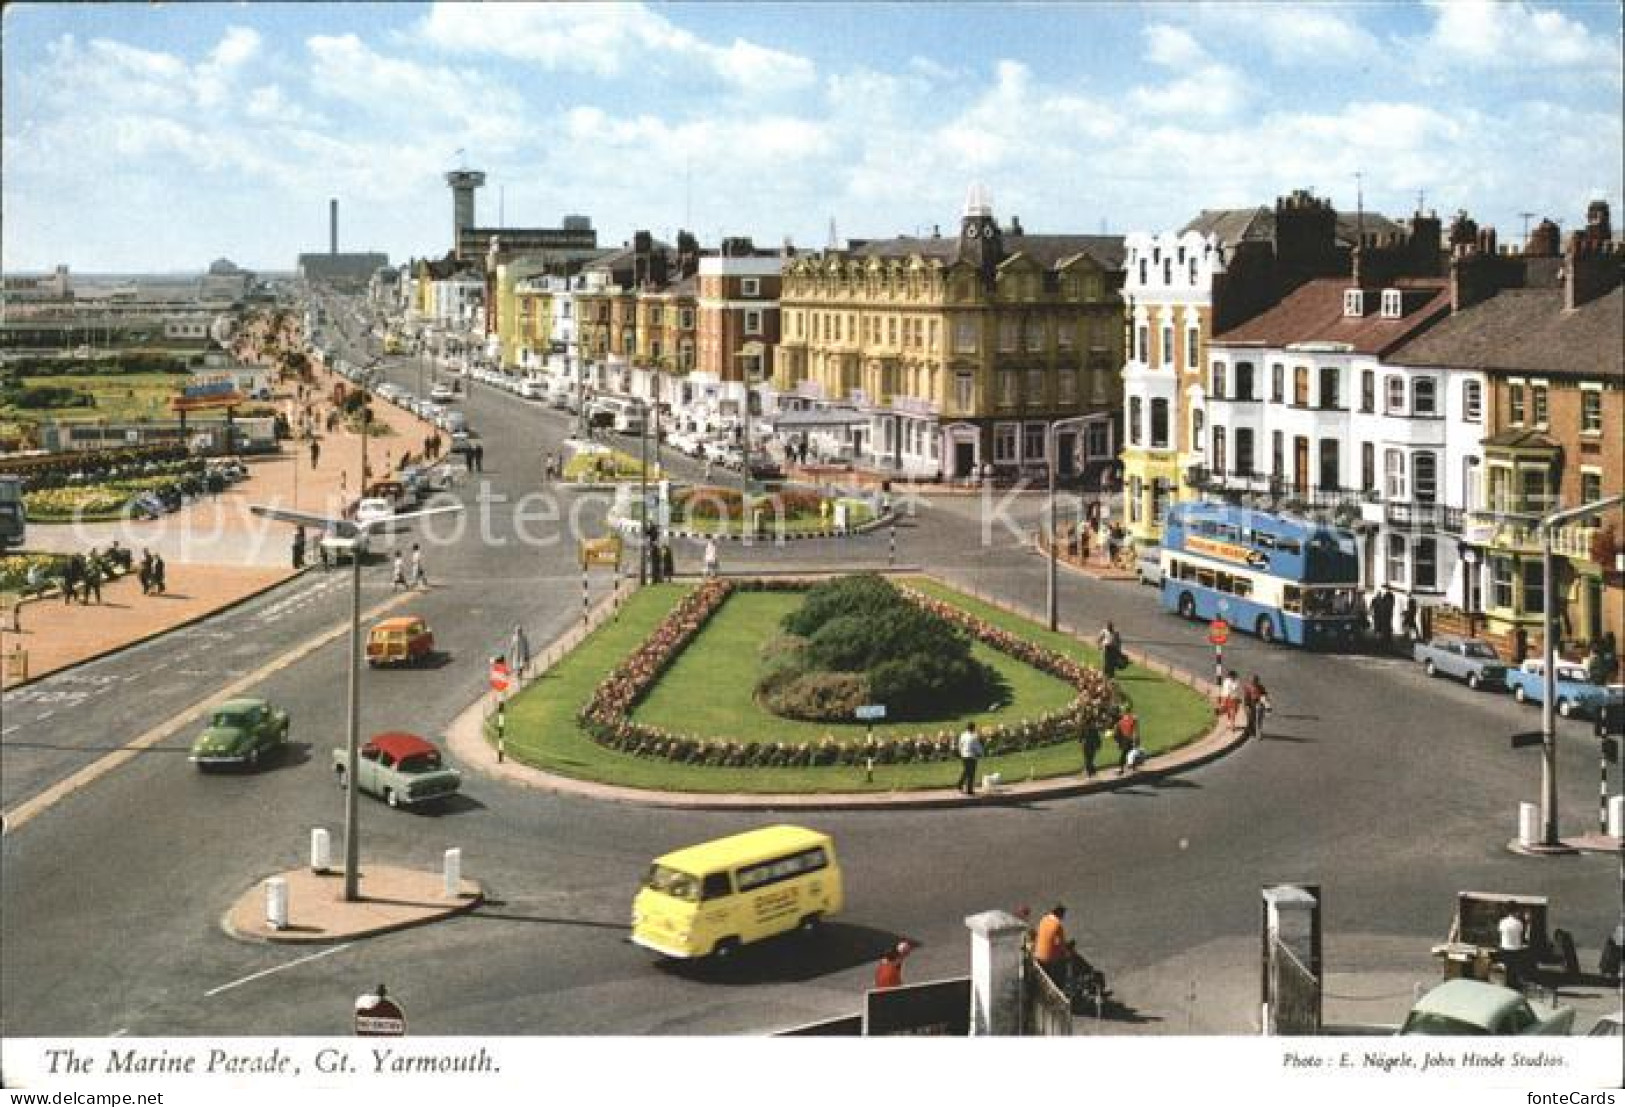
(1392, 304)
(1354, 303)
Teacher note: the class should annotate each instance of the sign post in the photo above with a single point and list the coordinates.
(869, 712)
(501, 676)
(1218, 633)
(378, 1016)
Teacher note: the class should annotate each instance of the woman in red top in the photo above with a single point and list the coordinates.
(889, 973)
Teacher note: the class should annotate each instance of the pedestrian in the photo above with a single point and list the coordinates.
(1255, 702)
(1408, 627)
(479, 458)
(668, 564)
(889, 973)
(502, 732)
(1089, 738)
(93, 577)
(397, 576)
(315, 452)
(72, 573)
(159, 585)
(1513, 940)
(143, 572)
(519, 651)
(1050, 947)
(1135, 756)
(970, 752)
(420, 579)
(299, 547)
(710, 558)
(1125, 734)
(1111, 649)
(707, 471)
(547, 469)
(1229, 691)
(1382, 614)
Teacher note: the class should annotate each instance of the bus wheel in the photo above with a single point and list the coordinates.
(725, 949)
(810, 924)
(1187, 606)
(1266, 630)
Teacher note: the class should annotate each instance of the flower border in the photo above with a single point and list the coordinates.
(606, 716)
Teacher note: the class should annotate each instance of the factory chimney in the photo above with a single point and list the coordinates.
(333, 226)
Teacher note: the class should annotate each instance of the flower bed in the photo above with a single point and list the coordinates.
(607, 714)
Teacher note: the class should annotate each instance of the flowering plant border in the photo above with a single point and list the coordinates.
(607, 715)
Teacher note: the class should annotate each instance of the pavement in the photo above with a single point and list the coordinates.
(390, 899)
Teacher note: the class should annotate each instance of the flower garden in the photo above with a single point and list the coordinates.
(614, 711)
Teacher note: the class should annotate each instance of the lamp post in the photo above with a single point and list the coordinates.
(1548, 727)
(357, 534)
(1052, 602)
(643, 492)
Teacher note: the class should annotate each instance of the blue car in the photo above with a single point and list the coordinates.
(1576, 694)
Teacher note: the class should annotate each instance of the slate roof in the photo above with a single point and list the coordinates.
(1527, 330)
(1048, 250)
(1233, 225)
(1314, 313)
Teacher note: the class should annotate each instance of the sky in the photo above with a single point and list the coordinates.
(154, 137)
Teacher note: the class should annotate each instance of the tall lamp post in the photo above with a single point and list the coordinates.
(1051, 601)
(356, 534)
(1548, 726)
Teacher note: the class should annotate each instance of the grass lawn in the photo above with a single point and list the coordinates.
(611, 465)
(857, 514)
(708, 692)
(118, 398)
(542, 730)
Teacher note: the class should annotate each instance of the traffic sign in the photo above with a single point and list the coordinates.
(378, 1016)
(501, 676)
(872, 711)
(1218, 632)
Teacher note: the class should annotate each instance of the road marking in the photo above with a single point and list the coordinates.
(277, 968)
(121, 1031)
(23, 813)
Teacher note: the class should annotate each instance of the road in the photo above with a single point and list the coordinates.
(1390, 790)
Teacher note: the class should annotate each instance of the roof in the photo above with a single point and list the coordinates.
(1527, 330)
(399, 744)
(242, 703)
(1233, 225)
(399, 622)
(1518, 438)
(1048, 250)
(1469, 1000)
(739, 849)
(1314, 313)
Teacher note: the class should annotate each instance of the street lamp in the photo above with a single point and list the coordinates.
(1548, 725)
(356, 535)
(1051, 602)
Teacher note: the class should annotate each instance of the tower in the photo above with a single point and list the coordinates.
(333, 226)
(980, 241)
(463, 182)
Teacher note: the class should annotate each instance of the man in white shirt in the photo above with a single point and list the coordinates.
(1514, 940)
(970, 751)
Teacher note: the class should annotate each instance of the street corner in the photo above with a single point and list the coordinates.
(314, 910)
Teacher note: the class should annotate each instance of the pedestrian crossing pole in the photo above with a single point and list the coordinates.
(584, 596)
(891, 556)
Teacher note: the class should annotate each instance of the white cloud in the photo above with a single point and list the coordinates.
(1210, 92)
(1292, 34)
(1172, 46)
(1514, 34)
(607, 40)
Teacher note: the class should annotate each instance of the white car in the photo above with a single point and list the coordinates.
(442, 394)
(373, 509)
(533, 389)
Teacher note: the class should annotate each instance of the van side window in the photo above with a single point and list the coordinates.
(783, 868)
(716, 886)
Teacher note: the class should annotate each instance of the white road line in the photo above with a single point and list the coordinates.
(278, 968)
(121, 1031)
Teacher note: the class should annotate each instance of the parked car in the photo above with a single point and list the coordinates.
(1469, 659)
(1609, 1026)
(1148, 566)
(1472, 1007)
(1576, 694)
(374, 509)
(442, 394)
(240, 732)
(399, 768)
(533, 388)
(402, 640)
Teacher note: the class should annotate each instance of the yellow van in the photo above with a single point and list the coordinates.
(715, 897)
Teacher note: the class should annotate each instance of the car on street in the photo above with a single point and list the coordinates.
(1469, 659)
(1576, 694)
(401, 640)
(374, 509)
(240, 732)
(1472, 1007)
(1148, 566)
(442, 394)
(1609, 1026)
(401, 769)
(533, 388)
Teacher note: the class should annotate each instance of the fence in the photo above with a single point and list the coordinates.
(1045, 1010)
(1295, 1009)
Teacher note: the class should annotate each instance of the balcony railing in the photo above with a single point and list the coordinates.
(1406, 516)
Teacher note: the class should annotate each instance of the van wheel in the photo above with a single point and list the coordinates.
(1431, 669)
(1565, 708)
(339, 775)
(1474, 681)
(1266, 630)
(1520, 695)
(1187, 606)
(725, 949)
(810, 924)
(390, 797)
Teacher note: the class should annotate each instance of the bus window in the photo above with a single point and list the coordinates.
(1244, 587)
(1263, 540)
(1292, 599)
(1204, 577)
(1289, 545)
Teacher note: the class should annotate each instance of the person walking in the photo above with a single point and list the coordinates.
(1382, 616)
(1255, 701)
(1229, 693)
(889, 973)
(970, 752)
(668, 564)
(315, 452)
(72, 573)
(93, 577)
(1111, 650)
(1049, 945)
(143, 572)
(1089, 738)
(1408, 626)
(519, 651)
(1126, 734)
(159, 584)
(397, 576)
(547, 468)
(420, 579)
(299, 547)
(710, 558)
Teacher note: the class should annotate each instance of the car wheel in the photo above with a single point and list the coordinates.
(340, 774)
(725, 949)
(254, 758)
(1565, 708)
(810, 924)
(1266, 630)
(391, 798)
(1187, 606)
(1474, 681)
(1520, 695)
(1429, 668)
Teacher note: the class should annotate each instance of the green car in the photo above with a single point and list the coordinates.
(240, 732)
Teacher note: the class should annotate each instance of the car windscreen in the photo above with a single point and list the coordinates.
(1480, 649)
(426, 762)
(672, 882)
(1430, 1022)
(231, 719)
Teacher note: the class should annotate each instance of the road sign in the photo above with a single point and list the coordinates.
(501, 677)
(1218, 632)
(378, 1016)
(872, 711)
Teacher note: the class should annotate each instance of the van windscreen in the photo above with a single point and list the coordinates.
(677, 885)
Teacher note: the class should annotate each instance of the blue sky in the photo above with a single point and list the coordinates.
(141, 137)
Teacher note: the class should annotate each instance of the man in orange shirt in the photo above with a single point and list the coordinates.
(1049, 947)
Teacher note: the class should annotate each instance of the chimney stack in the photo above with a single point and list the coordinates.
(333, 226)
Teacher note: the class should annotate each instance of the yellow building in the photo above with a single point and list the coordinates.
(965, 355)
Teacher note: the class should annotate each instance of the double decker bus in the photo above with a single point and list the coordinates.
(1280, 577)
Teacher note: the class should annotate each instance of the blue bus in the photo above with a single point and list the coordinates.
(1281, 577)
